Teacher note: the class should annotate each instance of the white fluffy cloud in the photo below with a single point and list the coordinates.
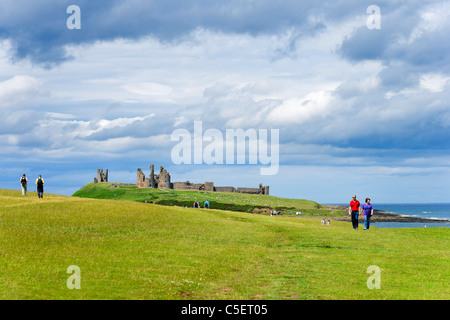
(434, 82)
(20, 90)
(313, 106)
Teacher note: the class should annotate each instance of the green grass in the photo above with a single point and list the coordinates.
(132, 250)
(219, 200)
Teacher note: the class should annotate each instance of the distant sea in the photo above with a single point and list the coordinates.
(423, 210)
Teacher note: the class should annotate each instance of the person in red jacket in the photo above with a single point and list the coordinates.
(354, 210)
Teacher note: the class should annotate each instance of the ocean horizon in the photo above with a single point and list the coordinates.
(434, 211)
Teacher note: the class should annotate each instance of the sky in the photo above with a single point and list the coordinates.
(359, 98)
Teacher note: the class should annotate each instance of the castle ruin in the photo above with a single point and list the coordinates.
(101, 176)
(162, 181)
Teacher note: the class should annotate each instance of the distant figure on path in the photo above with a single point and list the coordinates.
(353, 211)
(368, 212)
(23, 182)
(206, 204)
(196, 204)
(40, 186)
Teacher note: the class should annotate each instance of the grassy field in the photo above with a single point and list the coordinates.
(219, 200)
(132, 250)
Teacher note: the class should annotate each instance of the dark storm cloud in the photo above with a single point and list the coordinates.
(37, 29)
(413, 40)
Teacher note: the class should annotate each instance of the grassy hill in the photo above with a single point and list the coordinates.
(219, 200)
(131, 250)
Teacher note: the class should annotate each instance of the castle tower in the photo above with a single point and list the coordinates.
(164, 179)
(102, 176)
(152, 176)
(141, 181)
(209, 186)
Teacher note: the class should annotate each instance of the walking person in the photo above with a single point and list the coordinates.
(368, 213)
(23, 182)
(40, 186)
(354, 210)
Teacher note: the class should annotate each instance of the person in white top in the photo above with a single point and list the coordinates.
(23, 181)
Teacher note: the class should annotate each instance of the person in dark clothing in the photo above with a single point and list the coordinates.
(40, 186)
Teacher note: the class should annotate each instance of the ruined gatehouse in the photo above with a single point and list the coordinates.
(101, 176)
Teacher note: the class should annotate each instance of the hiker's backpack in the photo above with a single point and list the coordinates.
(23, 180)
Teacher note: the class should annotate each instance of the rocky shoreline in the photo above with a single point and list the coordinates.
(385, 216)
